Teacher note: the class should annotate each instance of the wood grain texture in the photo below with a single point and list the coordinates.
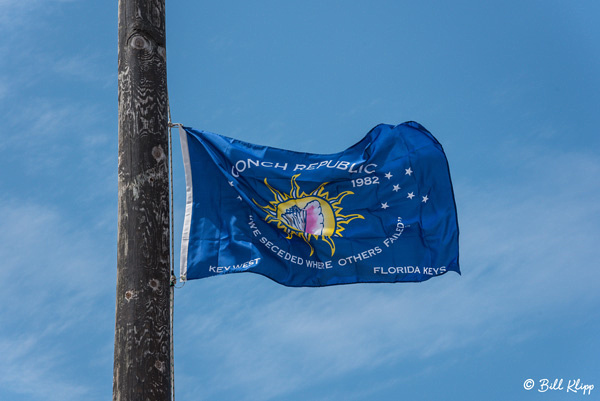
(142, 325)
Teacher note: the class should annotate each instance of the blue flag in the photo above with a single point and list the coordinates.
(381, 211)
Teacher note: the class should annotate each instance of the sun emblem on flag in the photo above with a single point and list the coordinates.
(316, 214)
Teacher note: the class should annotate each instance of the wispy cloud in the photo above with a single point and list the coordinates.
(34, 62)
(524, 244)
(86, 67)
(14, 13)
(30, 368)
(48, 132)
(56, 290)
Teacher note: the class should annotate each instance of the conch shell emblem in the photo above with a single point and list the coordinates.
(316, 214)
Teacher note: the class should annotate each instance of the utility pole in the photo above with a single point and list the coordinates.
(142, 367)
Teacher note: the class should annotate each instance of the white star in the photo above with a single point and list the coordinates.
(396, 188)
(425, 199)
(239, 197)
(410, 195)
(231, 183)
(384, 205)
(388, 175)
(408, 171)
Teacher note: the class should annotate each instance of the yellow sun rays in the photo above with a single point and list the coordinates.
(330, 217)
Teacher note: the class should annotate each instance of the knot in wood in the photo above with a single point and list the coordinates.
(139, 42)
(159, 365)
(162, 52)
(154, 284)
(158, 153)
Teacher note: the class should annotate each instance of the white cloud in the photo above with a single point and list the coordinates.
(29, 368)
(85, 67)
(48, 133)
(15, 13)
(56, 291)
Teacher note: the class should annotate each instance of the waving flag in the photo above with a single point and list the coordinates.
(381, 211)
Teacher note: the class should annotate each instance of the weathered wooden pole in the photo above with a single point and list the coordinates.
(142, 368)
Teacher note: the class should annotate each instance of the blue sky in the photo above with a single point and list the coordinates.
(512, 91)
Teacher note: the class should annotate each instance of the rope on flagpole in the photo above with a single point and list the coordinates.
(173, 278)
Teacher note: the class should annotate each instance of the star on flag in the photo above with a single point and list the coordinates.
(397, 187)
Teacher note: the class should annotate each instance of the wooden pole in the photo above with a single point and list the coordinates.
(142, 364)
